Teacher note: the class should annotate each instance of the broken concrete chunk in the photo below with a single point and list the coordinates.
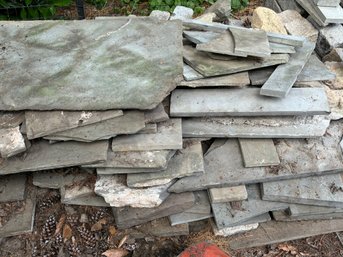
(182, 13)
(168, 136)
(156, 115)
(115, 192)
(12, 142)
(12, 188)
(330, 14)
(267, 20)
(233, 230)
(11, 119)
(228, 194)
(160, 15)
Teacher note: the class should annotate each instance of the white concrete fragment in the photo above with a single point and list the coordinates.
(182, 13)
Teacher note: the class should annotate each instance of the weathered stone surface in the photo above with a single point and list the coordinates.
(110, 79)
(335, 98)
(12, 142)
(190, 74)
(329, 37)
(327, 2)
(290, 5)
(257, 127)
(85, 196)
(186, 162)
(156, 115)
(182, 13)
(295, 24)
(318, 190)
(292, 40)
(11, 119)
(222, 9)
(57, 179)
(281, 49)
(160, 15)
(336, 55)
(267, 20)
(234, 80)
(337, 69)
(130, 123)
(228, 194)
(12, 188)
(246, 102)
(299, 158)
(199, 211)
(330, 14)
(115, 192)
(299, 210)
(201, 37)
(285, 75)
(39, 124)
(168, 136)
(273, 4)
(42, 156)
(315, 70)
(233, 230)
(313, 11)
(206, 17)
(258, 152)
(283, 216)
(150, 128)
(128, 217)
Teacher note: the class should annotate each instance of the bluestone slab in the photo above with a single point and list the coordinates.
(228, 194)
(283, 216)
(12, 142)
(330, 14)
(281, 49)
(311, 9)
(12, 188)
(190, 74)
(299, 210)
(327, 2)
(85, 196)
(156, 115)
(11, 119)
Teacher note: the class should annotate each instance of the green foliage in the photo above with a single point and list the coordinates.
(99, 4)
(237, 5)
(30, 9)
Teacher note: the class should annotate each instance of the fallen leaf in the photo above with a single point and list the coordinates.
(288, 248)
(123, 241)
(112, 230)
(60, 224)
(115, 253)
(67, 232)
(98, 226)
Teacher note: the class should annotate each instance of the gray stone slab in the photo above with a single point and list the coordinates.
(292, 40)
(331, 14)
(329, 37)
(283, 78)
(310, 7)
(258, 152)
(199, 211)
(318, 190)
(11, 119)
(281, 49)
(190, 74)
(150, 128)
(114, 190)
(112, 171)
(110, 79)
(156, 115)
(130, 123)
(256, 127)
(202, 37)
(246, 102)
(57, 179)
(42, 156)
(160, 15)
(181, 13)
(168, 136)
(299, 158)
(128, 217)
(234, 80)
(186, 162)
(283, 216)
(12, 142)
(299, 210)
(290, 5)
(85, 196)
(260, 76)
(273, 4)
(12, 188)
(229, 231)
(39, 124)
(228, 194)
(208, 67)
(327, 2)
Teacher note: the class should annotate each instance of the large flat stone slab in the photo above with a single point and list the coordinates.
(281, 49)
(318, 190)
(12, 142)
(298, 158)
(312, 10)
(300, 210)
(114, 190)
(168, 136)
(42, 156)
(256, 127)
(12, 188)
(11, 119)
(175, 203)
(228, 194)
(130, 123)
(284, 76)
(39, 124)
(186, 162)
(330, 14)
(58, 179)
(258, 152)
(283, 216)
(246, 102)
(138, 75)
(156, 115)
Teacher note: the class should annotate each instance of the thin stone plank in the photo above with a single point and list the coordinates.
(283, 78)
(12, 142)
(228, 194)
(186, 162)
(190, 74)
(234, 80)
(42, 156)
(258, 152)
(156, 115)
(318, 190)
(260, 76)
(150, 128)
(281, 49)
(327, 2)
(312, 11)
(39, 124)
(208, 67)
(256, 127)
(299, 158)
(130, 123)
(11, 119)
(168, 136)
(128, 217)
(246, 102)
(291, 40)
(200, 37)
(114, 78)
(199, 211)
(299, 210)
(283, 216)
(12, 188)
(112, 171)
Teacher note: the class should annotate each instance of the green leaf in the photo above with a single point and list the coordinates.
(52, 10)
(61, 3)
(23, 14)
(45, 12)
(33, 13)
(28, 2)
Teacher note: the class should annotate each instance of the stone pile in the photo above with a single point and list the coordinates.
(171, 122)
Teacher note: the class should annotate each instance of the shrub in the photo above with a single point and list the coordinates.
(237, 5)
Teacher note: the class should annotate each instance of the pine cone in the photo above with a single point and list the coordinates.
(50, 201)
(58, 239)
(73, 220)
(87, 237)
(95, 217)
(73, 249)
(48, 230)
(35, 251)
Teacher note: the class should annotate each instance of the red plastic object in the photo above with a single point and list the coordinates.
(203, 250)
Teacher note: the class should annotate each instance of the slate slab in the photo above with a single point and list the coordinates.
(190, 74)
(42, 156)
(228, 194)
(12, 142)
(13, 188)
(156, 115)
(138, 75)
(246, 102)
(299, 210)
(256, 127)
(186, 162)
(175, 203)
(114, 190)
(168, 136)
(327, 2)
(258, 152)
(39, 124)
(313, 11)
(150, 128)
(318, 190)
(11, 119)
(283, 216)
(330, 14)
(281, 49)
(283, 78)
(298, 158)
(203, 37)
(130, 123)
(329, 38)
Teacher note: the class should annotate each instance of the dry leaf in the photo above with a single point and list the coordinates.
(115, 253)
(112, 230)
(288, 248)
(67, 232)
(123, 241)
(60, 224)
(98, 226)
